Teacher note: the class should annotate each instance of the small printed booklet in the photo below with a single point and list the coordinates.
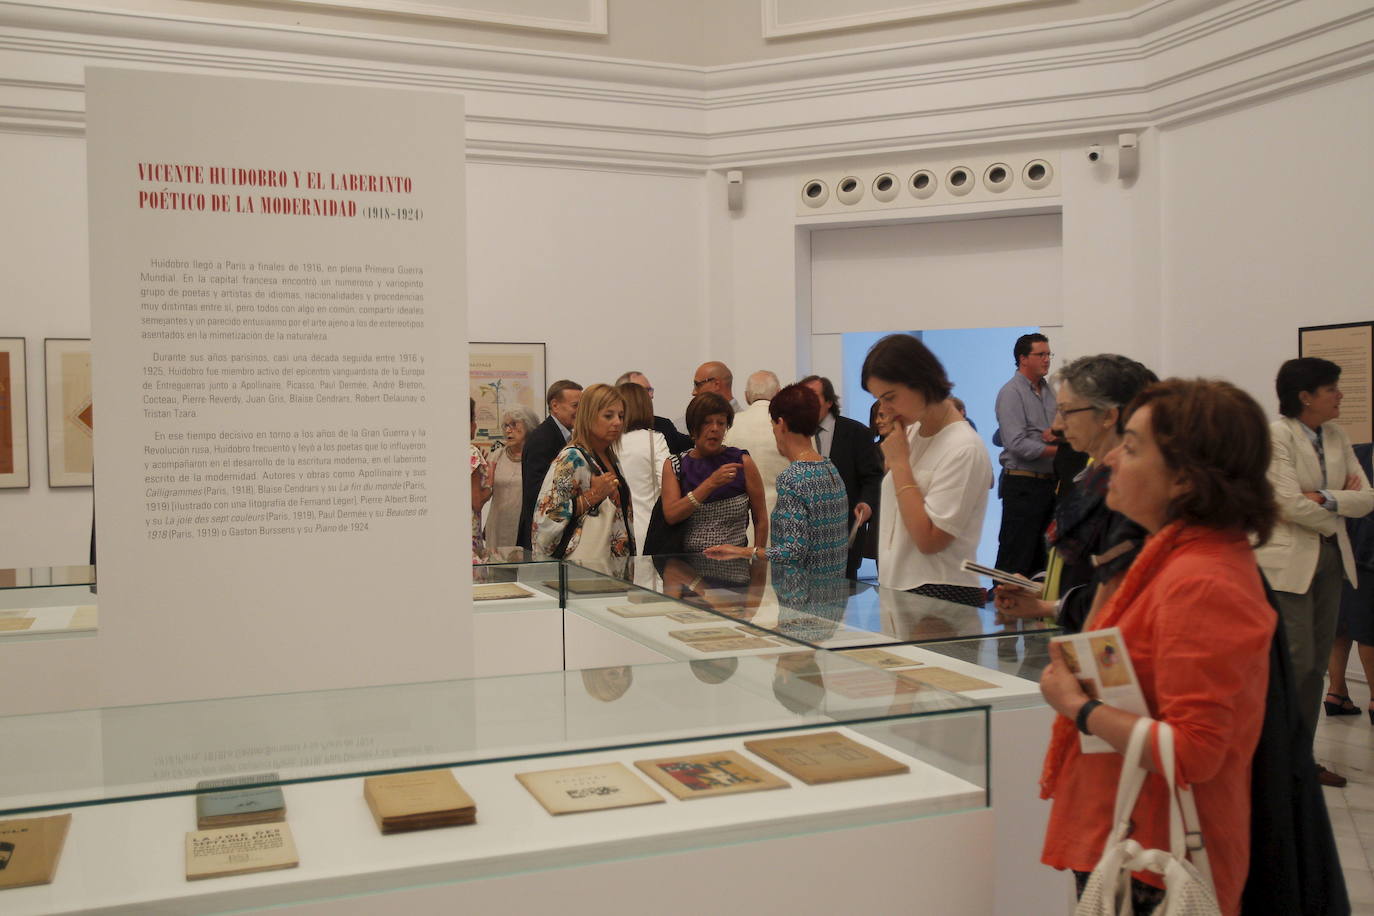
(228, 851)
(1098, 658)
(1002, 577)
(30, 848)
(708, 775)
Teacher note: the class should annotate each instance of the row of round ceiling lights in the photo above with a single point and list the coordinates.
(959, 181)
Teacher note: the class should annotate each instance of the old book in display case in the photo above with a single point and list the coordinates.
(589, 788)
(227, 851)
(402, 802)
(710, 775)
(824, 757)
(30, 849)
(224, 803)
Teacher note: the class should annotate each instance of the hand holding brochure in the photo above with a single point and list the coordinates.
(1002, 577)
(1098, 658)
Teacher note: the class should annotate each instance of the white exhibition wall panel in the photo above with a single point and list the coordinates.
(606, 267)
(994, 272)
(45, 294)
(277, 274)
(1268, 213)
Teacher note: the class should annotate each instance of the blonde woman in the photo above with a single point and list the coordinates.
(583, 511)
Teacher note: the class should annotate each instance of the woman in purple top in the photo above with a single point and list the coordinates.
(711, 488)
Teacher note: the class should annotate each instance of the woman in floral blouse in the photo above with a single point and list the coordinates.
(584, 510)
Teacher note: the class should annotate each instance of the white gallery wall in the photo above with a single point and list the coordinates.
(597, 202)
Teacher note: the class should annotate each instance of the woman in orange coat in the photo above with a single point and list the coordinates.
(1191, 470)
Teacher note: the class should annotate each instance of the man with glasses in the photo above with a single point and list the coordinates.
(677, 441)
(714, 377)
(1025, 416)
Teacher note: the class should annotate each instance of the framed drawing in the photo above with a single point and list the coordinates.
(1350, 346)
(502, 376)
(71, 424)
(14, 415)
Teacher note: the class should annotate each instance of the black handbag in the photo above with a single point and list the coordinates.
(661, 536)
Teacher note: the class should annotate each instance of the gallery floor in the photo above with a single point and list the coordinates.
(1346, 745)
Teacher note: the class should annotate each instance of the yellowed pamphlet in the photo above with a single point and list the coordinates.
(499, 591)
(30, 849)
(239, 851)
(14, 624)
(879, 658)
(589, 788)
(947, 680)
(824, 757)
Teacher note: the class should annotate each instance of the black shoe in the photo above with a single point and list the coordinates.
(1345, 706)
(1328, 778)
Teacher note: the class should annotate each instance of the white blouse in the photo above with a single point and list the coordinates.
(641, 454)
(954, 473)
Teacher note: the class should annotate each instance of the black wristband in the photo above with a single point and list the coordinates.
(1083, 712)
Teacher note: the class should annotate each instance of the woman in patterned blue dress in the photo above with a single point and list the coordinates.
(809, 525)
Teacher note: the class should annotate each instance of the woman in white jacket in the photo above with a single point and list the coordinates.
(641, 453)
(1318, 483)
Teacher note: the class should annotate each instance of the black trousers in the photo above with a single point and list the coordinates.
(1027, 508)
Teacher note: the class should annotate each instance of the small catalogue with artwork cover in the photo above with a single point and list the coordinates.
(589, 788)
(227, 851)
(825, 757)
(709, 775)
(30, 849)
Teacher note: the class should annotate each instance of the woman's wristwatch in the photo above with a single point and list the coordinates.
(1081, 720)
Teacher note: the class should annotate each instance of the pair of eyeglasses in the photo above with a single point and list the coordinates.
(1042, 355)
(1064, 413)
(697, 383)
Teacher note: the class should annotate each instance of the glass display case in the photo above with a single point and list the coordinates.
(129, 775)
(819, 612)
(45, 601)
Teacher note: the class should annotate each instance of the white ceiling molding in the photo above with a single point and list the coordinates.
(573, 111)
(788, 18)
(583, 17)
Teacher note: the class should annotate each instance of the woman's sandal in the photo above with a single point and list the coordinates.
(1346, 706)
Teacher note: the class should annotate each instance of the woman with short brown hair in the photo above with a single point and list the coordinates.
(1197, 626)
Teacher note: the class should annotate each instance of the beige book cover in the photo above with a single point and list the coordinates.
(30, 849)
(499, 591)
(709, 775)
(85, 618)
(865, 685)
(694, 617)
(704, 634)
(647, 609)
(428, 794)
(733, 644)
(239, 851)
(947, 680)
(878, 658)
(590, 788)
(825, 757)
(14, 624)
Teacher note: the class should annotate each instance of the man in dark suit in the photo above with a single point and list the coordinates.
(849, 445)
(542, 446)
(677, 441)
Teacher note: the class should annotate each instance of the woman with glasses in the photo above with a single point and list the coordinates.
(1095, 543)
(503, 516)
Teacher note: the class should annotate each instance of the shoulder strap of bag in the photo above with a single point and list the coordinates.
(1185, 827)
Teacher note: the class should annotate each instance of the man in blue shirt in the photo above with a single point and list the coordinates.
(1025, 413)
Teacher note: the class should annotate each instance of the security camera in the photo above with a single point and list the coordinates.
(1095, 153)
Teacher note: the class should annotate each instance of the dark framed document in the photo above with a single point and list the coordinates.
(1350, 346)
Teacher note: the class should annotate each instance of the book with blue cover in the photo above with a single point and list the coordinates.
(239, 807)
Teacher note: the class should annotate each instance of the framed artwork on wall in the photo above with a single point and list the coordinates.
(71, 423)
(14, 415)
(1350, 346)
(502, 376)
